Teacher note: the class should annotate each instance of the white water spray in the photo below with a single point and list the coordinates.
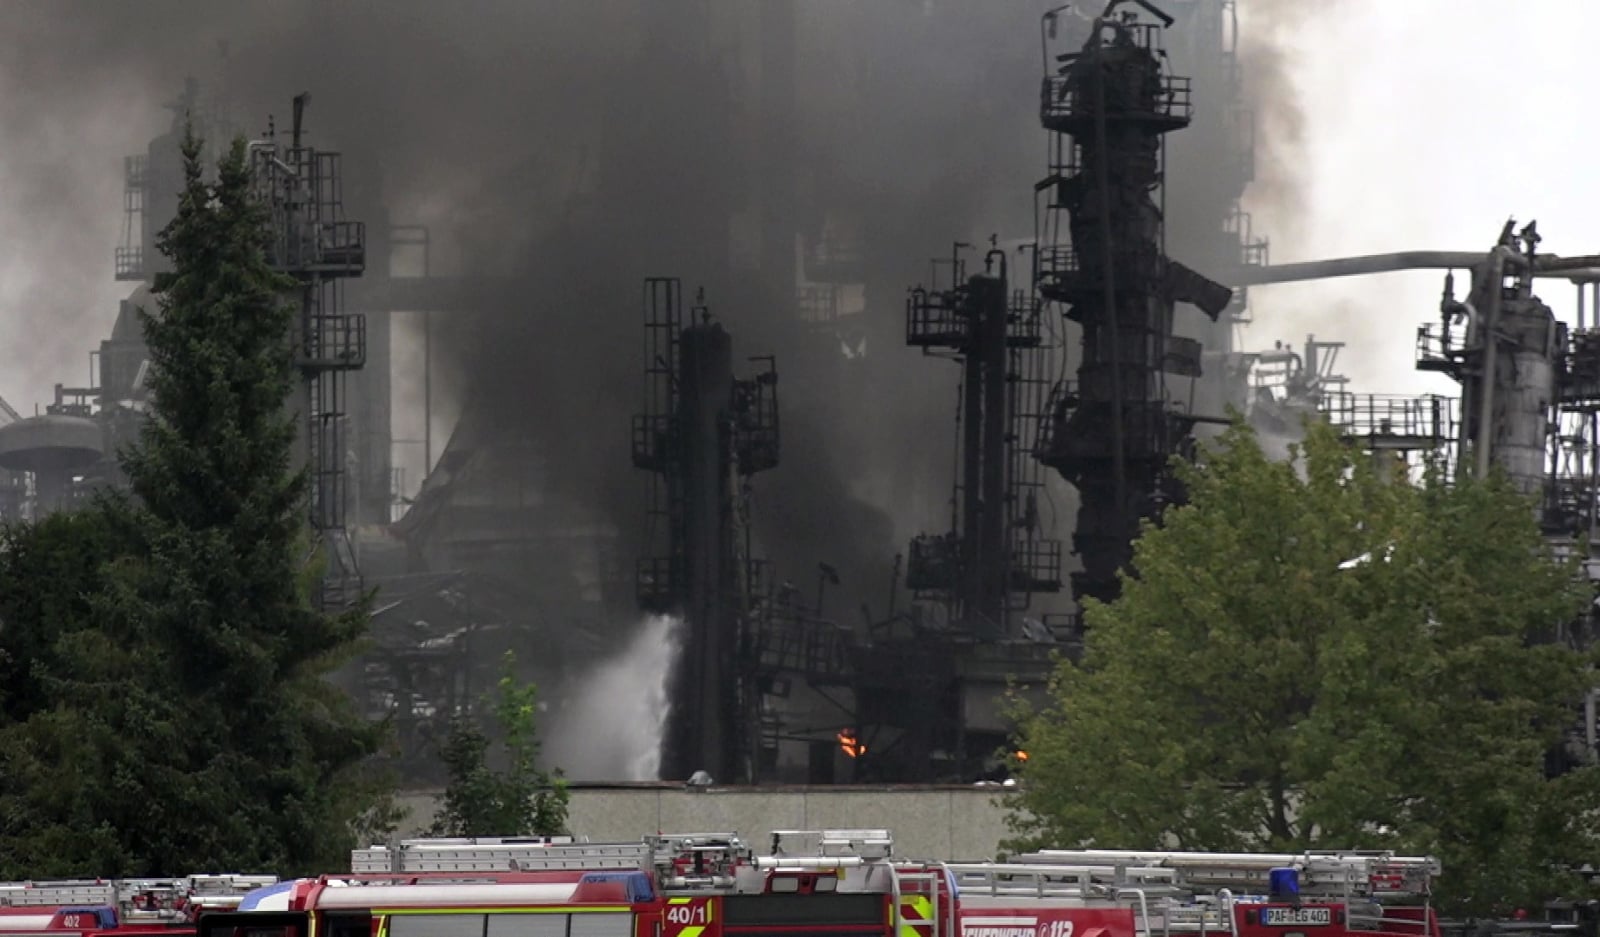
(610, 725)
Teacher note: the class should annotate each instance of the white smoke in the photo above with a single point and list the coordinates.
(610, 723)
(1275, 443)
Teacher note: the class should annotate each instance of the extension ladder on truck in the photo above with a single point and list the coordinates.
(497, 854)
(1330, 873)
(138, 900)
(1158, 902)
(1361, 880)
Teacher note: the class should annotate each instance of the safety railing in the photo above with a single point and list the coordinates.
(1067, 99)
(129, 263)
(334, 342)
(1394, 421)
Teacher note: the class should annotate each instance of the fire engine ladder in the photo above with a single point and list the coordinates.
(168, 899)
(1321, 872)
(498, 854)
(137, 899)
(1161, 902)
(88, 893)
(1360, 879)
(828, 846)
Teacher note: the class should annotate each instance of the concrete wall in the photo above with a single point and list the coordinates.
(936, 822)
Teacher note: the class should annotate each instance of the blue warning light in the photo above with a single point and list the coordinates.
(1283, 884)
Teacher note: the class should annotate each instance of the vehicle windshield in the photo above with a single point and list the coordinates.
(253, 924)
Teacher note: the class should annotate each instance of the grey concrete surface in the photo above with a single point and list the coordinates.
(936, 822)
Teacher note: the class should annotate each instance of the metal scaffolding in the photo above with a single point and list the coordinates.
(994, 558)
(703, 434)
(313, 243)
(1114, 430)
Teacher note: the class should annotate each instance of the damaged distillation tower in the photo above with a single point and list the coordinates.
(703, 434)
(1113, 431)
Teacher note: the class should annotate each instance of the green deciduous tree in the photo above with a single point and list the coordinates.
(521, 800)
(1315, 655)
(188, 693)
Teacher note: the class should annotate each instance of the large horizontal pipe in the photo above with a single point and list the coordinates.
(1547, 265)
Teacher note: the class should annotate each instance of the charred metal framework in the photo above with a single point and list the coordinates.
(703, 434)
(313, 244)
(994, 558)
(1113, 431)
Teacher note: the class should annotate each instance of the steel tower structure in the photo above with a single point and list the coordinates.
(314, 245)
(1113, 431)
(702, 435)
(993, 559)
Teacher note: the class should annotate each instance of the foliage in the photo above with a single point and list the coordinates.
(47, 572)
(522, 800)
(1254, 688)
(186, 683)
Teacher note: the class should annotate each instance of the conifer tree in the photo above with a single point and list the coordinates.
(198, 705)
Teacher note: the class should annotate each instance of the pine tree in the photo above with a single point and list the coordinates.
(198, 705)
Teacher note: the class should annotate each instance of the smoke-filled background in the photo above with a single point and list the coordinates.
(569, 148)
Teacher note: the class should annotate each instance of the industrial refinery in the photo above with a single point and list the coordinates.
(780, 439)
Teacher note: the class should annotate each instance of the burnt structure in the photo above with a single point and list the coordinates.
(703, 434)
(994, 558)
(1113, 431)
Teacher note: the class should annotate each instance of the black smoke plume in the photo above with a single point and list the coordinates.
(570, 148)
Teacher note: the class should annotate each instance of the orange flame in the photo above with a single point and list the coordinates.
(849, 744)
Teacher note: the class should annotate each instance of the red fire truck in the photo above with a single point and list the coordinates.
(838, 884)
(1102, 893)
(118, 908)
(833, 884)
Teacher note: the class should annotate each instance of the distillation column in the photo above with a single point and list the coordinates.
(991, 561)
(705, 711)
(1113, 432)
(703, 433)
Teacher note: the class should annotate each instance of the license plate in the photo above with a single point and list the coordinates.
(1296, 917)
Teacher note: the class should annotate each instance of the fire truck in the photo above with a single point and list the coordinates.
(812, 884)
(844, 883)
(1104, 893)
(106, 908)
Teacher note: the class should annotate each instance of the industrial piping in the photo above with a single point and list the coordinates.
(1569, 268)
